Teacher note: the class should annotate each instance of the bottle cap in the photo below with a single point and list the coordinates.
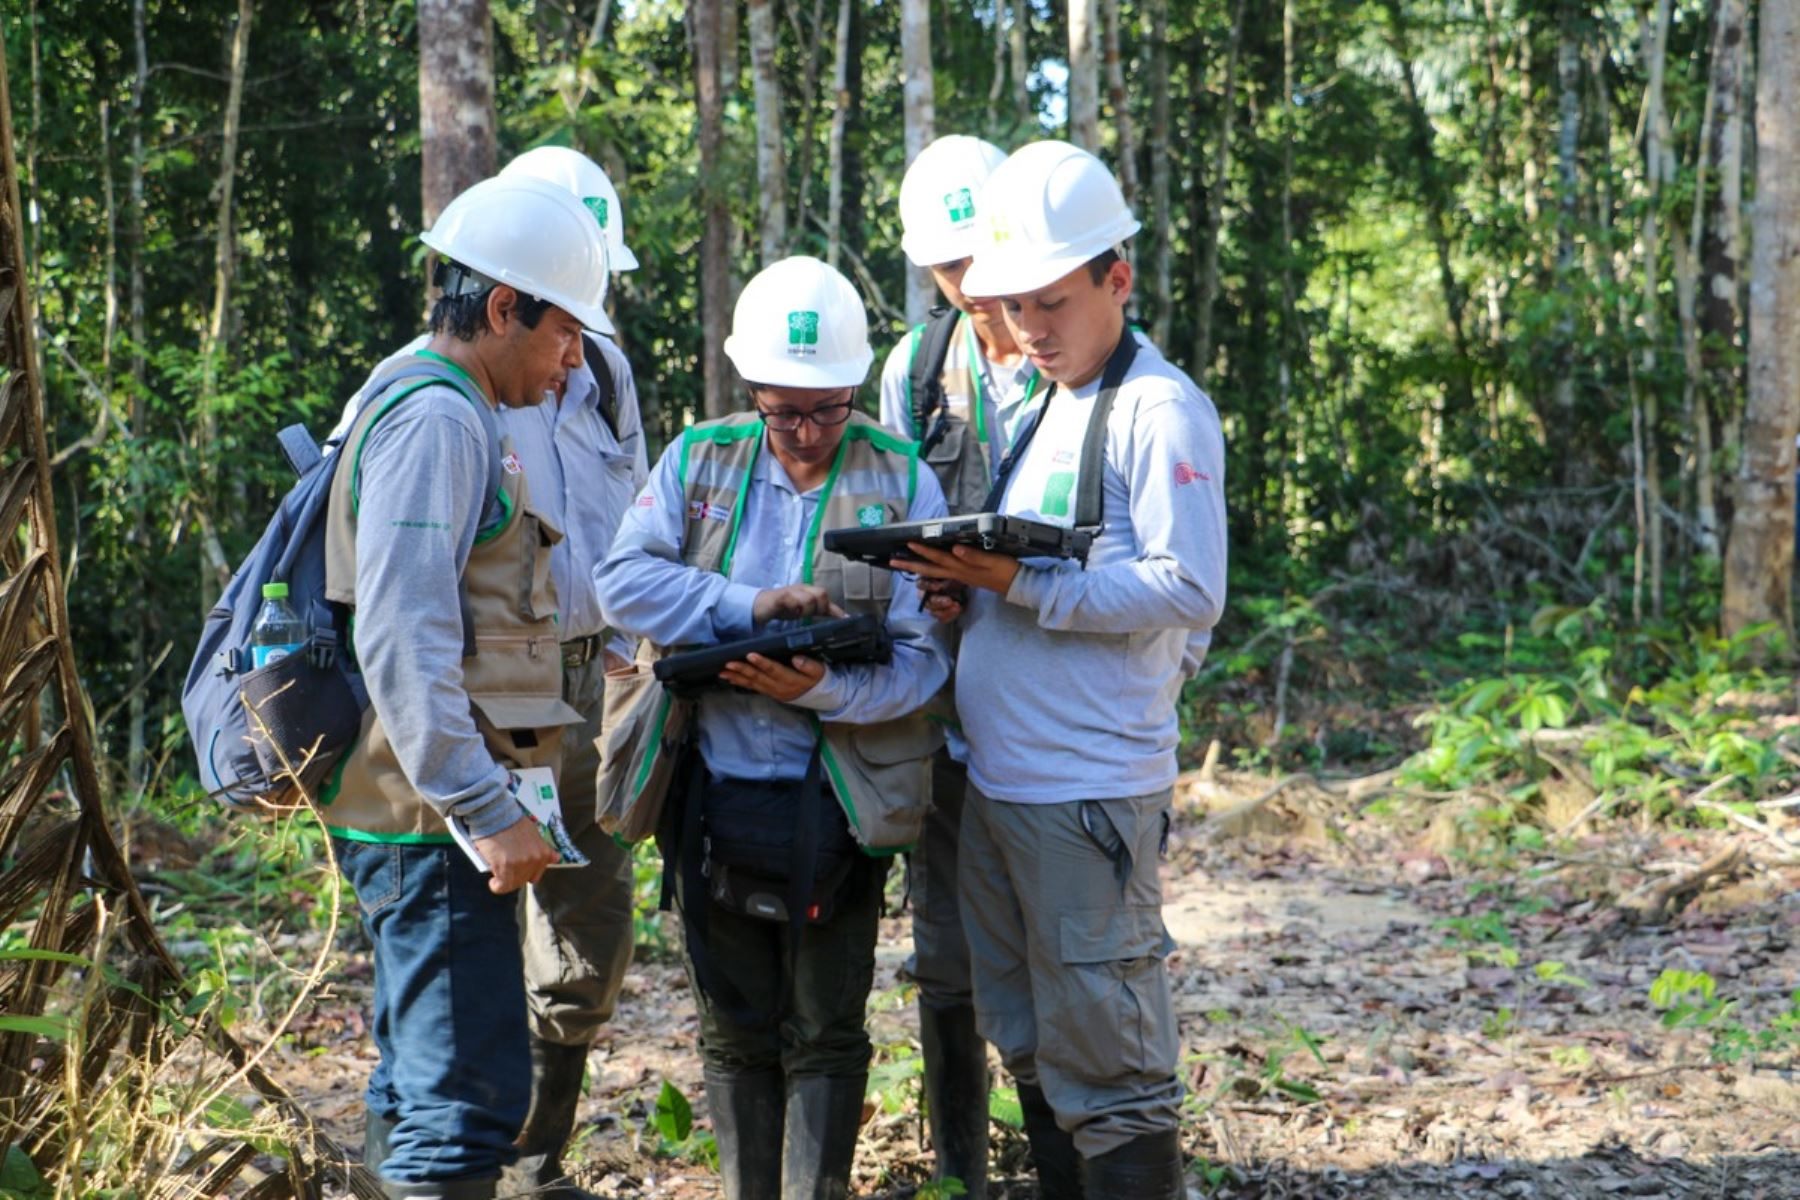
(274, 591)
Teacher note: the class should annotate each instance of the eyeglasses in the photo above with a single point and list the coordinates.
(787, 420)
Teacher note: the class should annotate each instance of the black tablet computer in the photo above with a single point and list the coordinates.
(857, 639)
(1013, 536)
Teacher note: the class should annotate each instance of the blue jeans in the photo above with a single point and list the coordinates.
(449, 1010)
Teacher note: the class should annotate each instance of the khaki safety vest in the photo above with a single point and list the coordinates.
(514, 678)
(960, 457)
(880, 772)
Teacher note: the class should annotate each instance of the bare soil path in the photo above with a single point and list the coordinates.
(1369, 1007)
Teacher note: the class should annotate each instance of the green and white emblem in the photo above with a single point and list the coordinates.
(597, 206)
(870, 515)
(803, 330)
(960, 204)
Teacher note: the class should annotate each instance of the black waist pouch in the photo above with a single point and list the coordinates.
(761, 834)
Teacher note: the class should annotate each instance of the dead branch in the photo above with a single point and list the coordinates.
(1664, 899)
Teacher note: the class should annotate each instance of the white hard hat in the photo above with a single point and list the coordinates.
(1046, 210)
(582, 177)
(529, 235)
(799, 323)
(938, 197)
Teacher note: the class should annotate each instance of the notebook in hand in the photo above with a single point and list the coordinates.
(857, 639)
(1014, 536)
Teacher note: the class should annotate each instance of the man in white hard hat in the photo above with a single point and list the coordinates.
(955, 385)
(584, 459)
(805, 778)
(434, 542)
(1067, 683)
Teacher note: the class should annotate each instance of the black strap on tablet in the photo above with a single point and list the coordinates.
(1089, 497)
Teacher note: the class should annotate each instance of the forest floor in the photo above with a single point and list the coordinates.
(1369, 1006)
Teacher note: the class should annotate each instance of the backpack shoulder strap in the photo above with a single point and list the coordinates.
(925, 376)
(1089, 499)
(418, 372)
(603, 379)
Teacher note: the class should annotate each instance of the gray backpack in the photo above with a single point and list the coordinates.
(261, 734)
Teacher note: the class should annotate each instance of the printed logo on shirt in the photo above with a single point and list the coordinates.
(511, 465)
(803, 332)
(646, 501)
(1186, 474)
(1063, 458)
(870, 515)
(700, 510)
(1057, 490)
(960, 205)
(597, 206)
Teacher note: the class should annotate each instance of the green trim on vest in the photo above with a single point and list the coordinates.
(656, 741)
(842, 790)
(391, 839)
(818, 517)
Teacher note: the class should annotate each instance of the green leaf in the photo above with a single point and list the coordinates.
(29, 955)
(1004, 1107)
(674, 1117)
(19, 1176)
(54, 1028)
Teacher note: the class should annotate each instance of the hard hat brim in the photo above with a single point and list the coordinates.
(592, 316)
(626, 260)
(998, 273)
(782, 370)
(928, 251)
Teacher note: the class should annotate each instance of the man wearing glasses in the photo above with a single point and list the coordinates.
(724, 540)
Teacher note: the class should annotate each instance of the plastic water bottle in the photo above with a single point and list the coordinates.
(277, 632)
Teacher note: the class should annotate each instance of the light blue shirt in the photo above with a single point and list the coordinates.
(1066, 686)
(580, 477)
(646, 589)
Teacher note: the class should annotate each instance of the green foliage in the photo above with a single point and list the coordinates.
(1690, 1000)
(19, 1178)
(672, 1121)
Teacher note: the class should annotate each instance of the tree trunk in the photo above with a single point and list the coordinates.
(456, 100)
(1568, 146)
(920, 100)
(715, 237)
(1016, 39)
(997, 83)
(1759, 558)
(1164, 220)
(1695, 411)
(1084, 75)
(135, 756)
(1288, 431)
(216, 345)
(1721, 256)
(809, 109)
(1207, 286)
(840, 116)
(1120, 102)
(771, 155)
(1659, 171)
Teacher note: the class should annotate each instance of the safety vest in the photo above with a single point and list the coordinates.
(513, 678)
(879, 772)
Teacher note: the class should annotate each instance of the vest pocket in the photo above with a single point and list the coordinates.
(641, 728)
(537, 593)
(865, 582)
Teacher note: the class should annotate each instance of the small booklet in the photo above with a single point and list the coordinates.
(535, 788)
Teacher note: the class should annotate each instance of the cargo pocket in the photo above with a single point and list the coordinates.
(865, 583)
(887, 766)
(640, 727)
(1110, 1014)
(524, 730)
(537, 594)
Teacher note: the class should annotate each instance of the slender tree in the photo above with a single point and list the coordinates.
(456, 100)
(1119, 103)
(840, 119)
(1018, 34)
(771, 156)
(1084, 74)
(1163, 231)
(921, 121)
(1759, 556)
(1206, 287)
(1721, 256)
(715, 238)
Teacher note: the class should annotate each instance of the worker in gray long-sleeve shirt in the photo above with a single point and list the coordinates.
(584, 460)
(455, 627)
(1066, 687)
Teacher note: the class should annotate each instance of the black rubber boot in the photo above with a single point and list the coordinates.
(556, 1074)
(378, 1132)
(1147, 1167)
(441, 1189)
(956, 1096)
(824, 1115)
(1053, 1153)
(747, 1115)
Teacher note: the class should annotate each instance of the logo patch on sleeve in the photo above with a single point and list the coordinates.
(1186, 474)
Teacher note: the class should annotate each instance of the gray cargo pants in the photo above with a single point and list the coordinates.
(575, 922)
(1062, 905)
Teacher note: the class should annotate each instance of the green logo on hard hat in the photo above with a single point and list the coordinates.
(597, 206)
(869, 515)
(803, 330)
(960, 204)
(999, 229)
